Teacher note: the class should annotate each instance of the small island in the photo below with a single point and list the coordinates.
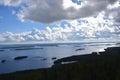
(1, 50)
(3, 61)
(79, 49)
(53, 58)
(20, 57)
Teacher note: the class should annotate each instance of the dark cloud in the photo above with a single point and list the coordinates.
(48, 11)
(112, 1)
(114, 13)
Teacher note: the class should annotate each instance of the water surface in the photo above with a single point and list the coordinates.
(40, 55)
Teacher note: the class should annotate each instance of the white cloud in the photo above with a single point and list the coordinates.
(88, 29)
(48, 11)
(11, 2)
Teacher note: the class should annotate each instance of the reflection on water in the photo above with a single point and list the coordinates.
(43, 56)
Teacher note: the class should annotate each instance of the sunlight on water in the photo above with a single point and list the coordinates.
(43, 56)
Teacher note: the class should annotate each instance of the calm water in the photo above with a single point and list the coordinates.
(40, 55)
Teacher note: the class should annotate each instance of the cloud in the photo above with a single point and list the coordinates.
(11, 2)
(1, 2)
(50, 11)
(102, 26)
(78, 30)
(113, 12)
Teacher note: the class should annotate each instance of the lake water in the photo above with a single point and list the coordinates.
(40, 55)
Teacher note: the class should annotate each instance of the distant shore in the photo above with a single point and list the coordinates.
(96, 66)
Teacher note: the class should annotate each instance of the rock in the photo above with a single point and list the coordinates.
(20, 57)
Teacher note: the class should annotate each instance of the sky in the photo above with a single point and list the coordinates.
(59, 20)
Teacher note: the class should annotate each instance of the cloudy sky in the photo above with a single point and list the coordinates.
(59, 20)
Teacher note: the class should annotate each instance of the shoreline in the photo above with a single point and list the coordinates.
(103, 64)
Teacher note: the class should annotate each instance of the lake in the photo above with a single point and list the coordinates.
(43, 55)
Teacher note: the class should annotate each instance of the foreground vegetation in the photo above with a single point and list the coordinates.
(105, 66)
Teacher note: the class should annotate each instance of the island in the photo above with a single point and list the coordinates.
(20, 57)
